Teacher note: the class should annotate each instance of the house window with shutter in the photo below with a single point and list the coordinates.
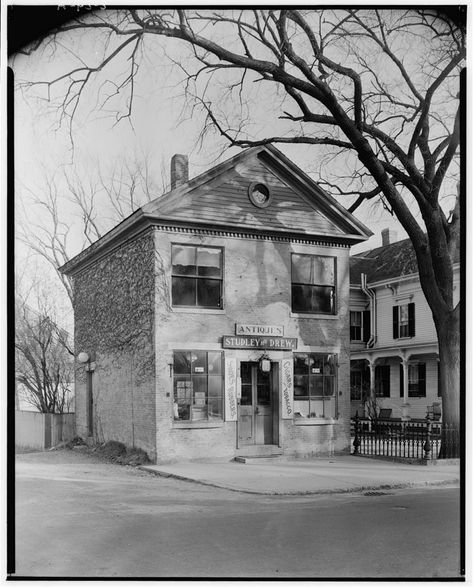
(416, 380)
(360, 325)
(404, 321)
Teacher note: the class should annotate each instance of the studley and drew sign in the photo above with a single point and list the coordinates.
(259, 342)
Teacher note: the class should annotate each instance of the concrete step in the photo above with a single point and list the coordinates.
(258, 450)
(258, 460)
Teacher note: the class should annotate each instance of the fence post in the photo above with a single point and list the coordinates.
(356, 440)
(427, 446)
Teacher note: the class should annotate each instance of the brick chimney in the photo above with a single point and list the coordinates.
(388, 236)
(179, 170)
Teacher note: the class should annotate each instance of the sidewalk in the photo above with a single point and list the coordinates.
(338, 474)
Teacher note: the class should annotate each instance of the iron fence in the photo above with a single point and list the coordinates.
(403, 439)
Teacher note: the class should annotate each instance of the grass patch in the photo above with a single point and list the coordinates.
(113, 451)
(117, 452)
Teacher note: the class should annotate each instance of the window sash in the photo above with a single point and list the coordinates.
(355, 325)
(197, 279)
(313, 284)
(315, 383)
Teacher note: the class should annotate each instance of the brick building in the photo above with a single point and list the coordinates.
(214, 321)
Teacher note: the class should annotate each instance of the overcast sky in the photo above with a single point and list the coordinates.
(157, 129)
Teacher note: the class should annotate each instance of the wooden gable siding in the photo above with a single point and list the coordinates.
(424, 324)
(224, 200)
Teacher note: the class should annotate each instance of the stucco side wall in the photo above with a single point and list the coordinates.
(114, 305)
(257, 290)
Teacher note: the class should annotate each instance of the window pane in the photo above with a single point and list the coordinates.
(200, 389)
(215, 407)
(199, 362)
(316, 364)
(403, 314)
(301, 385)
(328, 386)
(322, 299)
(208, 293)
(183, 397)
(209, 262)
(329, 364)
(183, 291)
(215, 363)
(355, 318)
(317, 385)
(301, 268)
(301, 364)
(301, 298)
(323, 271)
(183, 260)
(215, 386)
(182, 363)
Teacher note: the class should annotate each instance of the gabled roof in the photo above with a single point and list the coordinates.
(390, 261)
(218, 198)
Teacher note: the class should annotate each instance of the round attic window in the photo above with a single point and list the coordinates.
(260, 195)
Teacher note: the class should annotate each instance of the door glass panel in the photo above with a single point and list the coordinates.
(263, 389)
(246, 385)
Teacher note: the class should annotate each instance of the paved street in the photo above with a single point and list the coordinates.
(77, 517)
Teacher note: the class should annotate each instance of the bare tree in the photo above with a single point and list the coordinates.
(379, 87)
(75, 207)
(43, 361)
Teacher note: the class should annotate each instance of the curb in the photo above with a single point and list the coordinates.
(333, 491)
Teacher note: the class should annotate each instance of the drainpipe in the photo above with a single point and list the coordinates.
(372, 296)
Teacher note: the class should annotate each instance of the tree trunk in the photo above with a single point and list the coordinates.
(448, 333)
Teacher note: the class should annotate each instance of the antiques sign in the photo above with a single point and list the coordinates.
(259, 329)
(259, 342)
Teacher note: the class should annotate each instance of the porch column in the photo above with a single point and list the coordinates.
(372, 379)
(405, 376)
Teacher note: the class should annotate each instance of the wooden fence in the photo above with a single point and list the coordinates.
(42, 431)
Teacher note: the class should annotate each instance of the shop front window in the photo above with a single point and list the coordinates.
(198, 385)
(315, 393)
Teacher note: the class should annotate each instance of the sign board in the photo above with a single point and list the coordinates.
(287, 397)
(259, 329)
(230, 389)
(259, 342)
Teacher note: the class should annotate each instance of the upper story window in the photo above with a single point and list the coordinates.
(404, 322)
(360, 327)
(313, 284)
(197, 276)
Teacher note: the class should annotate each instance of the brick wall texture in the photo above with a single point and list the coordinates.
(114, 318)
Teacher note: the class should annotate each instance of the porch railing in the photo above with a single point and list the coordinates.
(403, 439)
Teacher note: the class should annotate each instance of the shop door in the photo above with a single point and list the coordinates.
(255, 418)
